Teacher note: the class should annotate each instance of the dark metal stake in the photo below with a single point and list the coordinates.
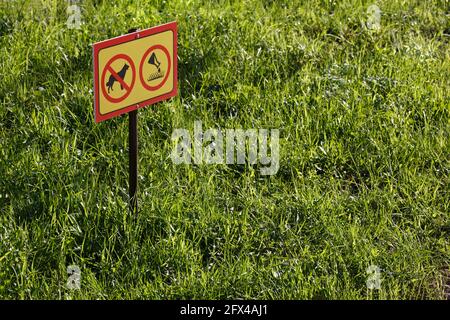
(133, 154)
(133, 158)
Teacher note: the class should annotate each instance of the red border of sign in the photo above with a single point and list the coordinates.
(172, 26)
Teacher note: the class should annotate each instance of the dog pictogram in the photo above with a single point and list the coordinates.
(120, 76)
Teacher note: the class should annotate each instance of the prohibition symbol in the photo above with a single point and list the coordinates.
(119, 77)
(153, 57)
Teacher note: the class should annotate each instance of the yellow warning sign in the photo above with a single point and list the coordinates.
(135, 70)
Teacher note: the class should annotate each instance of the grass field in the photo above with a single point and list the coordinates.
(364, 175)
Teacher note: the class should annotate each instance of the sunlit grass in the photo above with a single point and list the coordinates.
(364, 160)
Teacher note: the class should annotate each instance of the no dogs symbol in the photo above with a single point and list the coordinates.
(155, 67)
(118, 78)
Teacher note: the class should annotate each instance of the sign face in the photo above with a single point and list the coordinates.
(134, 70)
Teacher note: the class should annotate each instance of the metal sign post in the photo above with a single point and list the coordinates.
(133, 158)
(133, 154)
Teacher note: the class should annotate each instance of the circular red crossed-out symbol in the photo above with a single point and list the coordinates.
(144, 58)
(118, 78)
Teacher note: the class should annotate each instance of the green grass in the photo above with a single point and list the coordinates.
(364, 172)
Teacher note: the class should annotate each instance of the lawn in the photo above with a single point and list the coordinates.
(364, 174)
